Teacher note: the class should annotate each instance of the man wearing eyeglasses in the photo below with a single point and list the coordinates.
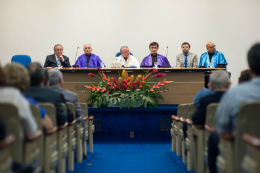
(57, 59)
(212, 58)
(88, 59)
(126, 59)
(155, 59)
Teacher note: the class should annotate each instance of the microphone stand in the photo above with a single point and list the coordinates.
(76, 58)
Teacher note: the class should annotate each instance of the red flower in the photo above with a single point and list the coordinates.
(88, 87)
(98, 69)
(103, 90)
(134, 87)
(160, 84)
(104, 75)
(108, 92)
(151, 90)
(159, 75)
(114, 80)
(154, 71)
(124, 86)
(116, 87)
(99, 89)
(125, 82)
(92, 75)
(155, 87)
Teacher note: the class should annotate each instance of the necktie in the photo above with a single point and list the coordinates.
(186, 61)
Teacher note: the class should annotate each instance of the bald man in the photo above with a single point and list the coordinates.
(88, 59)
(212, 58)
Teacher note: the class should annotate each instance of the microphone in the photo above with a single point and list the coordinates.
(76, 58)
(167, 52)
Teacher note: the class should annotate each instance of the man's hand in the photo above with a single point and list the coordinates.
(61, 58)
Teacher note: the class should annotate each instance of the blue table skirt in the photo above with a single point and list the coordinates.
(145, 123)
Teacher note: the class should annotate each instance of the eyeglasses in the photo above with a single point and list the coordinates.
(153, 48)
(58, 49)
(212, 46)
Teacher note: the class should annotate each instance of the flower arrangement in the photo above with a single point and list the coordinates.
(126, 91)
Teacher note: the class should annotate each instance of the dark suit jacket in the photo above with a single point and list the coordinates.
(52, 62)
(199, 117)
(70, 97)
(47, 95)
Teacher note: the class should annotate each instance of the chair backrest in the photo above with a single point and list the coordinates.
(210, 113)
(72, 108)
(51, 111)
(84, 108)
(22, 59)
(9, 115)
(37, 116)
(192, 110)
(119, 53)
(64, 106)
(179, 110)
(247, 122)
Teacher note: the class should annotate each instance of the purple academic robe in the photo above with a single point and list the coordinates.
(162, 61)
(94, 61)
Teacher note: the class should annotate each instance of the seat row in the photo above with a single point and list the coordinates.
(236, 154)
(47, 149)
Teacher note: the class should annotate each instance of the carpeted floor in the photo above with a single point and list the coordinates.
(131, 157)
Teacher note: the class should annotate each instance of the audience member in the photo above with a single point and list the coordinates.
(218, 83)
(201, 93)
(56, 83)
(46, 83)
(17, 76)
(2, 130)
(14, 96)
(226, 114)
(42, 94)
(244, 76)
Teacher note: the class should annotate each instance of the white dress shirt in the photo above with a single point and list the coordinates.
(131, 61)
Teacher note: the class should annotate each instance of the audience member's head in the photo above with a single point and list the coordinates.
(46, 82)
(219, 81)
(244, 76)
(2, 77)
(36, 73)
(17, 76)
(253, 58)
(55, 77)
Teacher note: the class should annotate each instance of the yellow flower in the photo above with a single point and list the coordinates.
(139, 77)
(120, 81)
(132, 79)
(124, 74)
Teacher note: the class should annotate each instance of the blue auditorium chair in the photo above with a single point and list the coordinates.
(22, 59)
(119, 53)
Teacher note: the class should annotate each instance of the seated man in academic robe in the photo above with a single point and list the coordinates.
(57, 59)
(149, 61)
(126, 59)
(88, 59)
(212, 58)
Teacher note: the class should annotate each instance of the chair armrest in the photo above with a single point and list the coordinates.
(50, 131)
(72, 123)
(91, 117)
(7, 141)
(252, 140)
(33, 136)
(189, 121)
(62, 126)
(210, 128)
(182, 119)
(226, 136)
(85, 118)
(173, 117)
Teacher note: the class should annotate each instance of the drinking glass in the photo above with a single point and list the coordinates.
(103, 65)
(210, 65)
(156, 64)
(178, 65)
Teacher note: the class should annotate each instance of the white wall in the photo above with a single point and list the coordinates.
(33, 27)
